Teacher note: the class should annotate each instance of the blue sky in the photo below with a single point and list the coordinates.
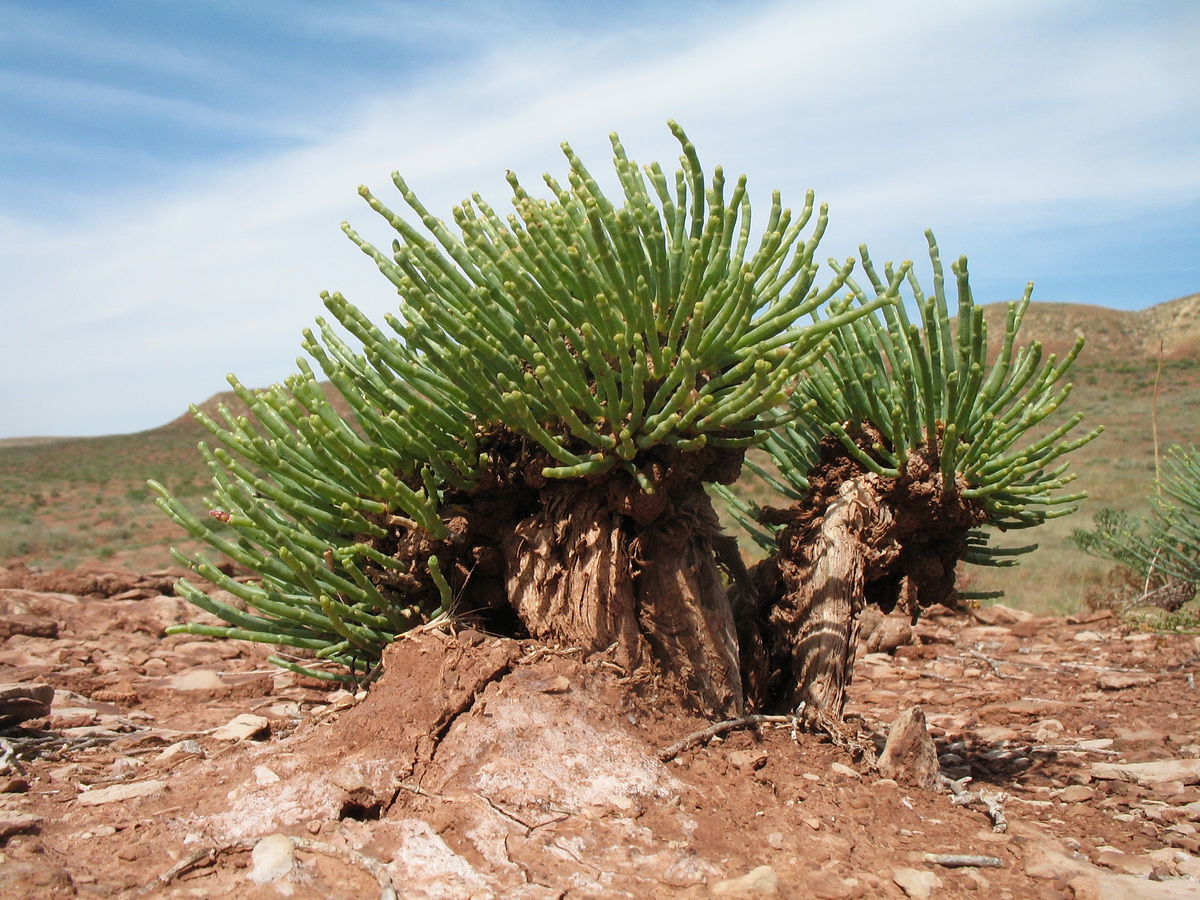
(173, 173)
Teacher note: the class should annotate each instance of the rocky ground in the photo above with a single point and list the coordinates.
(482, 767)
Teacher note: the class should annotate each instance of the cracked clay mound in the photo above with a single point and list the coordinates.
(482, 767)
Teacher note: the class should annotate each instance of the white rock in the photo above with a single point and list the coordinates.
(263, 775)
(273, 858)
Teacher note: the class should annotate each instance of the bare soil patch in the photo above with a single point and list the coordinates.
(485, 767)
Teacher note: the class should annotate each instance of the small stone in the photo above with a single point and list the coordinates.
(748, 759)
(13, 785)
(827, 886)
(180, 750)
(263, 775)
(838, 768)
(243, 727)
(349, 779)
(31, 626)
(197, 680)
(119, 792)
(131, 852)
(15, 823)
(556, 685)
(1095, 744)
(1077, 793)
(1188, 866)
(910, 756)
(999, 614)
(272, 858)
(890, 634)
(916, 883)
(1088, 637)
(762, 880)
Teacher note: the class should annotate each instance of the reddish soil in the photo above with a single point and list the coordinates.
(480, 767)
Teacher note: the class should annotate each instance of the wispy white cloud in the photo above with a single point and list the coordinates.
(973, 118)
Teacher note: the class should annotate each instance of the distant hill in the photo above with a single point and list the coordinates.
(1111, 333)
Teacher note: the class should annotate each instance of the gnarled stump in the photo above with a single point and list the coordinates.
(601, 565)
(856, 538)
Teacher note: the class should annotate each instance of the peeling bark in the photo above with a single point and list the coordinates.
(570, 575)
(683, 608)
(819, 611)
(857, 538)
(601, 567)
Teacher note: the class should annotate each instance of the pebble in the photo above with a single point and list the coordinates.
(263, 775)
(243, 727)
(1077, 793)
(748, 759)
(272, 858)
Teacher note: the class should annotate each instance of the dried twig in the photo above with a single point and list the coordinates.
(963, 860)
(698, 737)
(208, 856)
(990, 802)
(9, 758)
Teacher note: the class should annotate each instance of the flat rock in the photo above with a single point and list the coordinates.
(748, 759)
(20, 702)
(1129, 887)
(119, 792)
(31, 626)
(1119, 681)
(1077, 793)
(15, 822)
(1186, 771)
